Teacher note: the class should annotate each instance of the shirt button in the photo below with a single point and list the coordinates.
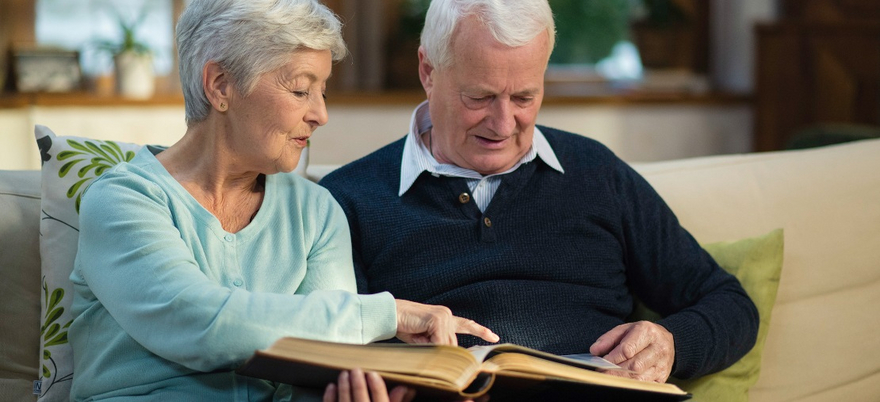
(228, 237)
(487, 222)
(464, 198)
(238, 282)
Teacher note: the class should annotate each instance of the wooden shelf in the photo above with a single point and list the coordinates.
(85, 99)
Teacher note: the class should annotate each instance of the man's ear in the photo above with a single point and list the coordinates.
(425, 72)
(216, 84)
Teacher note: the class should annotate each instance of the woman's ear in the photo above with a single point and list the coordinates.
(215, 81)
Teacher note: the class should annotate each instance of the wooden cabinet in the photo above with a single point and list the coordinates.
(819, 64)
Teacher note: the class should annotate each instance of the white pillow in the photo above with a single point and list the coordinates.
(70, 164)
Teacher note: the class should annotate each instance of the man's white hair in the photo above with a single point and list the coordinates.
(248, 38)
(513, 23)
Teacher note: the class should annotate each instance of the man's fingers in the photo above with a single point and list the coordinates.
(470, 327)
(633, 342)
(645, 348)
(606, 343)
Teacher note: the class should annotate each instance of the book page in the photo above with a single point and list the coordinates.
(514, 363)
(584, 360)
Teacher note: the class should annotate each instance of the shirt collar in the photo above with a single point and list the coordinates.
(417, 157)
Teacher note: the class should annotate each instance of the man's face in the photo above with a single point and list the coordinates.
(484, 105)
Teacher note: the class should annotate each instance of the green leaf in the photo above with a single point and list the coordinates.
(67, 154)
(46, 372)
(53, 329)
(100, 170)
(67, 166)
(104, 161)
(47, 354)
(75, 145)
(45, 292)
(75, 187)
(117, 156)
(116, 147)
(97, 150)
(68, 324)
(129, 156)
(54, 315)
(57, 295)
(58, 340)
(85, 169)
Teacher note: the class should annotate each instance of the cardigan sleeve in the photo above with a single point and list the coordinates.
(133, 262)
(713, 321)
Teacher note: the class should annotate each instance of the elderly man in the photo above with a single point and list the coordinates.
(544, 236)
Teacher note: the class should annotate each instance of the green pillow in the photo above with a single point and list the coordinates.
(757, 263)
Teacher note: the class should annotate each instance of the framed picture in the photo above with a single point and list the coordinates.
(46, 70)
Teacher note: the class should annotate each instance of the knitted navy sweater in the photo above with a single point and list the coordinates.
(555, 260)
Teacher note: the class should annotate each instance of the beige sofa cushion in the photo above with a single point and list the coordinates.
(822, 343)
(20, 286)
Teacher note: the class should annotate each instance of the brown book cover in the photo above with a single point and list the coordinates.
(505, 371)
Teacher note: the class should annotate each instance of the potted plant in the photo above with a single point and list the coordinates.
(132, 60)
(662, 32)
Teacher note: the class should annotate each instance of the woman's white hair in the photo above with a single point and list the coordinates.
(512, 22)
(248, 38)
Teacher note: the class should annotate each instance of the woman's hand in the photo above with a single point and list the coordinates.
(425, 323)
(355, 386)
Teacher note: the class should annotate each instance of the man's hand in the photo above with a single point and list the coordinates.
(425, 323)
(643, 347)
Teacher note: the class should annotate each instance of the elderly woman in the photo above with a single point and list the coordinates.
(192, 257)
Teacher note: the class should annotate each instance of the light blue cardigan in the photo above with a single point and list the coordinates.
(168, 304)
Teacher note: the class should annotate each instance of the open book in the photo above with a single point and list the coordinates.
(452, 372)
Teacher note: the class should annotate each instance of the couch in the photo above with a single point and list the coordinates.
(823, 342)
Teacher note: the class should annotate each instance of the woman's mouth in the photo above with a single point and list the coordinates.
(302, 142)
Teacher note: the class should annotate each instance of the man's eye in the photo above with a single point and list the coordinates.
(301, 94)
(476, 102)
(524, 100)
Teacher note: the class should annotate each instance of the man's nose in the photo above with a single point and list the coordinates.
(502, 117)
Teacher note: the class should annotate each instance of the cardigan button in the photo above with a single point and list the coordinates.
(487, 222)
(464, 198)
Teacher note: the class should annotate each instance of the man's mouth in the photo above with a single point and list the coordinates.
(491, 142)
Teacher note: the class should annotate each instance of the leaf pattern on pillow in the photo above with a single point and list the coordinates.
(52, 333)
(96, 155)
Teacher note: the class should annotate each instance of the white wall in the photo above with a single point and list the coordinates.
(638, 133)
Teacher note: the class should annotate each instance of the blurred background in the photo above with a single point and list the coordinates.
(652, 79)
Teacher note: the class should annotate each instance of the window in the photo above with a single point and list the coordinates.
(83, 24)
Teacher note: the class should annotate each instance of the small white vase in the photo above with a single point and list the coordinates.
(135, 77)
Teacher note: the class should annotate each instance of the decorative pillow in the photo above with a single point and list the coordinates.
(757, 263)
(69, 165)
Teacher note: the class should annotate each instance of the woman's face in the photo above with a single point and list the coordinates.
(269, 128)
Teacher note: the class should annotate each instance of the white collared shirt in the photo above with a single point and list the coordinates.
(417, 158)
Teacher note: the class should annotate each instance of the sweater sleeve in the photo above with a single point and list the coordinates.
(713, 321)
(133, 262)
